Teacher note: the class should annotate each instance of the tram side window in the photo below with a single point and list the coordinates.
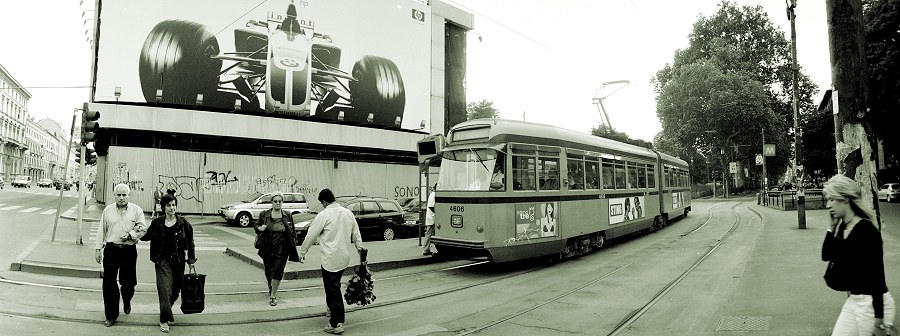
(523, 172)
(642, 176)
(632, 176)
(549, 172)
(651, 177)
(666, 178)
(576, 173)
(608, 174)
(620, 175)
(592, 174)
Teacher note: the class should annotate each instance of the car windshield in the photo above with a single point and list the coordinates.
(251, 198)
(21, 178)
(471, 169)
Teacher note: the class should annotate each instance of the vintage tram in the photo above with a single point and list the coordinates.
(511, 190)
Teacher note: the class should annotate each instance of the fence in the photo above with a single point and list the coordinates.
(787, 200)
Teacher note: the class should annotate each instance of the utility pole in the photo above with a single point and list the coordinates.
(795, 69)
(855, 147)
(765, 176)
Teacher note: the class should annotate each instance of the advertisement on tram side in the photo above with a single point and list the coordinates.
(536, 220)
(677, 200)
(339, 60)
(624, 209)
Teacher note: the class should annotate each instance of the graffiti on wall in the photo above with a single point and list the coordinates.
(123, 175)
(190, 187)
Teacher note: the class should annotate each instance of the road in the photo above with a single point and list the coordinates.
(25, 213)
(680, 280)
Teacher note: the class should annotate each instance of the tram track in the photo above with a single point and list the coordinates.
(637, 314)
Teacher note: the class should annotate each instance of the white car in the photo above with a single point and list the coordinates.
(22, 181)
(889, 192)
(244, 212)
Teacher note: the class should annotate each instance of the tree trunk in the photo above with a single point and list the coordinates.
(856, 155)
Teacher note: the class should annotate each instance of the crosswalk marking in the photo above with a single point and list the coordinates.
(49, 212)
(202, 241)
(12, 207)
(29, 210)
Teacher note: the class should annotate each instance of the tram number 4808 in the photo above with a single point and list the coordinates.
(457, 208)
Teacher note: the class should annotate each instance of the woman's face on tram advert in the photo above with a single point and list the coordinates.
(549, 210)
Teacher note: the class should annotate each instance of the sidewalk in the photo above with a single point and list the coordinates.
(62, 257)
(782, 283)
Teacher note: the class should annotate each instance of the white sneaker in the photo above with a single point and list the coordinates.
(339, 329)
(164, 327)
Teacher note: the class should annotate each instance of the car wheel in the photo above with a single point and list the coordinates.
(889, 199)
(243, 219)
(378, 89)
(177, 58)
(388, 233)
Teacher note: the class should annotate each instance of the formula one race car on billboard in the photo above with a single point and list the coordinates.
(282, 59)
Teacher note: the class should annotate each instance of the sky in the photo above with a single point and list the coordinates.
(538, 60)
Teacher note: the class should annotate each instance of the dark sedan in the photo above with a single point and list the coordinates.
(378, 217)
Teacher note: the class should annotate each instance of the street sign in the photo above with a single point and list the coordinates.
(732, 167)
(769, 149)
(759, 160)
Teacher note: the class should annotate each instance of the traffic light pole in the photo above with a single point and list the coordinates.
(80, 187)
(65, 172)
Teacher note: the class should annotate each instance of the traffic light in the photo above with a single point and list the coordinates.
(89, 124)
(89, 153)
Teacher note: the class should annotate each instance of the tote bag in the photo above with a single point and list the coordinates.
(192, 295)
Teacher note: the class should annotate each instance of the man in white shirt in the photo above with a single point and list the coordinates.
(335, 228)
(429, 222)
(121, 225)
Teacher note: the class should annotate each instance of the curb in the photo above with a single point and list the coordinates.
(309, 273)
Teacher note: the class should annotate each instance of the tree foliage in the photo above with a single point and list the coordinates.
(882, 19)
(481, 109)
(605, 131)
(728, 87)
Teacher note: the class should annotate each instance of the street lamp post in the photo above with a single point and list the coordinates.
(801, 202)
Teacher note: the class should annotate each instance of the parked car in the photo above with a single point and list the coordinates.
(62, 184)
(378, 217)
(412, 209)
(889, 192)
(44, 183)
(1, 183)
(244, 212)
(22, 181)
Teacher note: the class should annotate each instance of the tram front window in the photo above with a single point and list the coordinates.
(473, 170)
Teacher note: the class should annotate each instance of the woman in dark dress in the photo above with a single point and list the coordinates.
(278, 246)
(170, 237)
(854, 246)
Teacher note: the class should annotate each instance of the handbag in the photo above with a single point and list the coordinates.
(258, 244)
(192, 294)
(887, 331)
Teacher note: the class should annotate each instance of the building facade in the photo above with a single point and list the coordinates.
(13, 125)
(56, 161)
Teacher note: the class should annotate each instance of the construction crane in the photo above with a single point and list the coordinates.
(598, 100)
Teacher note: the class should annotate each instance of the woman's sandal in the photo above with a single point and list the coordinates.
(273, 301)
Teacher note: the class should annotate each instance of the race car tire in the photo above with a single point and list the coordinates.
(177, 57)
(378, 89)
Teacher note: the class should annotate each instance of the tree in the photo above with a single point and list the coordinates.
(881, 19)
(818, 153)
(728, 87)
(605, 131)
(481, 109)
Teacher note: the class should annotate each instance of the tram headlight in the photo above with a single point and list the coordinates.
(456, 221)
(479, 228)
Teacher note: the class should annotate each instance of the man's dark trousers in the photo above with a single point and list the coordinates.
(118, 261)
(333, 297)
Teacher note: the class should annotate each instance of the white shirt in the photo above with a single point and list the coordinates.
(114, 225)
(335, 228)
(429, 214)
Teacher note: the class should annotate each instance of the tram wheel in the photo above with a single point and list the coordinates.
(601, 240)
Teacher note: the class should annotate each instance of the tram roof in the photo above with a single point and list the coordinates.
(505, 130)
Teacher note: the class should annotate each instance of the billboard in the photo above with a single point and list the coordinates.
(536, 220)
(341, 60)
(624, 209)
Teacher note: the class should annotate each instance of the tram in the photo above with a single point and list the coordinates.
(511, 190)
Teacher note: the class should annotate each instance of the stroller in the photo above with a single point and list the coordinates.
(359, 289)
